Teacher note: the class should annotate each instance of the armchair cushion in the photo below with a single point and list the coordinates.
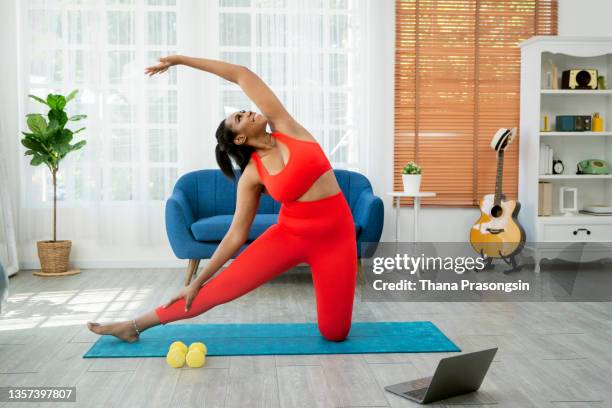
(214, 228)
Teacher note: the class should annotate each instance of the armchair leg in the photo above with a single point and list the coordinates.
(360, 275)
(192, 267)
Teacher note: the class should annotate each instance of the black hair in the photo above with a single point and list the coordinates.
(226, 150)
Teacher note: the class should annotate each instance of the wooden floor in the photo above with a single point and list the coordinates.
(550, 354)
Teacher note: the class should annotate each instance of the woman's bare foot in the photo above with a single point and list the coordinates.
(123, 330)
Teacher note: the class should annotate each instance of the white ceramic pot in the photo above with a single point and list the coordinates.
(412, 183)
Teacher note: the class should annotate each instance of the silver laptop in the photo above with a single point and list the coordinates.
(454, 376)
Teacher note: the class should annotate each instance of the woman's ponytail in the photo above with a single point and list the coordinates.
(226, 150)
(224, 162)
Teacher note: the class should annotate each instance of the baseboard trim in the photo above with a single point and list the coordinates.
(121, 264)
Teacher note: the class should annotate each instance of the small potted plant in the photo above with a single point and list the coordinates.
(48, 142)
(411, 177)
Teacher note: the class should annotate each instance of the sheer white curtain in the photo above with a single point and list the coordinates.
(309, 52)
(111, 192)
(143, 133)
(8, 243)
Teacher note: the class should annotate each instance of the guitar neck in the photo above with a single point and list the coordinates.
(498, 178)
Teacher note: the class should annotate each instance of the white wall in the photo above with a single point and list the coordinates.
(576, 18)
(585, 17)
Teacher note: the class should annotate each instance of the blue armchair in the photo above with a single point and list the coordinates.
(200, 210)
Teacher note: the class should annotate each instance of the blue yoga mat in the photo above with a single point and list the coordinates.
(279, 338)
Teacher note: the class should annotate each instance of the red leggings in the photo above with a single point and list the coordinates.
(320, 233)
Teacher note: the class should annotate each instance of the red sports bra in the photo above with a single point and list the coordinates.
(307, 162)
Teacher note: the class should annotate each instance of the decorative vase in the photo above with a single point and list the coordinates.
(412, 183)
(54, 258)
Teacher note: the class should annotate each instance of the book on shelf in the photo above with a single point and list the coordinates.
(596, 210)
(549, 160)
(546, 159)
(544, 198)
(540, 200)
(608, 214)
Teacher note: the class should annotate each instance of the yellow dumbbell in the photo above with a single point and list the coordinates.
(199, 346)
(195, 358)
(175, 357)
(180, 345)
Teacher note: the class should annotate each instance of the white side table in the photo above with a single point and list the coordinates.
(397, 195)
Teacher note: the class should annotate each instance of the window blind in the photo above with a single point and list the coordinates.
(457, 80)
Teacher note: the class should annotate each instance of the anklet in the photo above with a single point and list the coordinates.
(136, 328)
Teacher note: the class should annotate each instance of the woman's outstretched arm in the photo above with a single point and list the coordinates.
(247, 202)
(253, 86)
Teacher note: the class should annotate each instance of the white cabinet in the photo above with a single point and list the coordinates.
(575, 229)
(565, 53)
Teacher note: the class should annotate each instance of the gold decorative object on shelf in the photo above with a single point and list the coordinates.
(597, 123)
(546, 127)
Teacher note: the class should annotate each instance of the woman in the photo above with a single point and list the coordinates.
(315, 224)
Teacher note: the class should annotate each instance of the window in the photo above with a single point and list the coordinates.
(101, 48)
(457, 81)
(306, 52)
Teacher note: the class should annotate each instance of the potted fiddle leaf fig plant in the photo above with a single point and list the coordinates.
(48, 142)
(411, 177)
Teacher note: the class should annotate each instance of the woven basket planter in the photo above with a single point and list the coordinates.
(54, 258)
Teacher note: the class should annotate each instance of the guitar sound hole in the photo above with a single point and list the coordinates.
(496, 211)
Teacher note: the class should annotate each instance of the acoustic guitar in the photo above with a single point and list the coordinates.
(497, 233)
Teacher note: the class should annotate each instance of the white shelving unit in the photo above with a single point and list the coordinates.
(570, 147)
